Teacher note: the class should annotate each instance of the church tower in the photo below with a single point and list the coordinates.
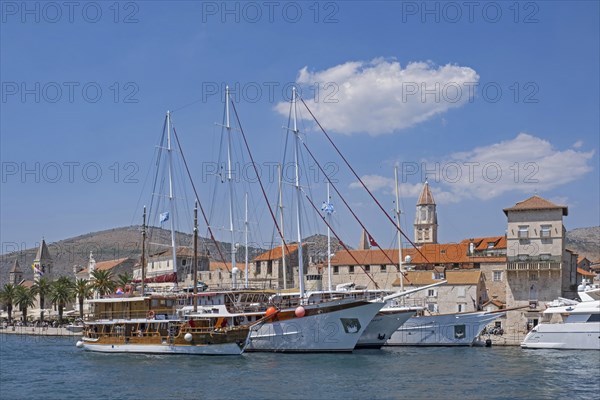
(15, 275)
(42, 265)
(426, 218)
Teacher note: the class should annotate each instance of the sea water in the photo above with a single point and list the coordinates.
(53, 368)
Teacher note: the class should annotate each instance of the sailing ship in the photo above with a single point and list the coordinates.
(322, 326)
(161, 323)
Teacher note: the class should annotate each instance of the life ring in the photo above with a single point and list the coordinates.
(151, 314)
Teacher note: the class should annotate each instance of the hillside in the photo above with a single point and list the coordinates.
(111, 244)
(585, 242)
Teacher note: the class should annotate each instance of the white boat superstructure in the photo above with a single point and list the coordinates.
(460, 329)
(568, 324)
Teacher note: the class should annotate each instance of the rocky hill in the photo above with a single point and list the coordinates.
(73, 253)
(585, 242)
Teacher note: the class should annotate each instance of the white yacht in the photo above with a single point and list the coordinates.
(459, 329)
(568, 324)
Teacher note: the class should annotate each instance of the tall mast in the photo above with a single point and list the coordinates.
(171, 195)
(281, 223)
(327, 214)
(195, 257)
(246, 242)
(143, 260)
(299, 194)
(399, 237)
(230, 179)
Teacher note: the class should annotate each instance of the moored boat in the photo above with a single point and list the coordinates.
(568, 324)
(151, 324)
(459, 329)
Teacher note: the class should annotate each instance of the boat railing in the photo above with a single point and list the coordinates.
(157, 313)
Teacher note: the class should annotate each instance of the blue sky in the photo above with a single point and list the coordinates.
(494, 103)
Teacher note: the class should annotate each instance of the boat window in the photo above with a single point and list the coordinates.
(594, 318)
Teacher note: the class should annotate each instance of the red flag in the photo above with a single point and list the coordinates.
(372, 242)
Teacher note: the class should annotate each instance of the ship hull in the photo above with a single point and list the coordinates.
(334, 326)
(442, 330)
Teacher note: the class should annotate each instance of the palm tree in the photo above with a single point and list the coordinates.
(42, 288)
(103, 282)
(124, 279)
(7, 297)
(62, 293)
(24, 298)
(83, 290)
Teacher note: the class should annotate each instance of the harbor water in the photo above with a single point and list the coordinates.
(53, 368)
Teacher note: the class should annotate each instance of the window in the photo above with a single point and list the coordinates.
(269, 267)
(545, 231)
(183, 262)
(367, 268)
(336, 270)
(257, 270)
(431, 293)
(432, 307)
(351, 269)
(438, 275)
(461, 307)
(544, 256)
(523, 231)
(383, 268)
(533, 277)
(497, 276)
(423, 214)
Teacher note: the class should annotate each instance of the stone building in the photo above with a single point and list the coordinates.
(539, 268)
(43, 263)
(426, 225)
(15, 275)
(464, 291)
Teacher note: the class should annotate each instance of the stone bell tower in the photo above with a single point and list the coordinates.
(43, 263)
(426, 218)
(15, 275)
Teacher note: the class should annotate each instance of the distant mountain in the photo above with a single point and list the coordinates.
(111, 244)
(585, 242)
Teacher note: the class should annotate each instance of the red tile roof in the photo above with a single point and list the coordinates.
(275, 253)
(536, 203)
(106, 265)
(449, 253)
(583, 272)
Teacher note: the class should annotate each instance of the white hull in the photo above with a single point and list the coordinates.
(442, 330)
(582, 336)
(381, 328)
(333, 326)
(213, 349)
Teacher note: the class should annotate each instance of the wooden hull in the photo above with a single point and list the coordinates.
(216, 342)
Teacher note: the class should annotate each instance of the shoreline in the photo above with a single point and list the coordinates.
(39, 331)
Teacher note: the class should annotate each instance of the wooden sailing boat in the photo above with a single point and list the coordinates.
(157, 322)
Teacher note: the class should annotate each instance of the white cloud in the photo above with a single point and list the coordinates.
(524, 164)
(380, 97)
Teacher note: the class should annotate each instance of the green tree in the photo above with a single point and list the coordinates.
(103, 282)
(83, 290)
(24, 298)
(63, 291)
(7, 296)
(124, 279)
(42, 288)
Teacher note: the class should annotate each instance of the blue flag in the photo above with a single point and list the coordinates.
(164, 217)
(327, 207)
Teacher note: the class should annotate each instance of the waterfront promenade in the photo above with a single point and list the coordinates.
(38, 331)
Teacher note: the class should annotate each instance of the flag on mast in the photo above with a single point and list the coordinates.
(164, 217)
